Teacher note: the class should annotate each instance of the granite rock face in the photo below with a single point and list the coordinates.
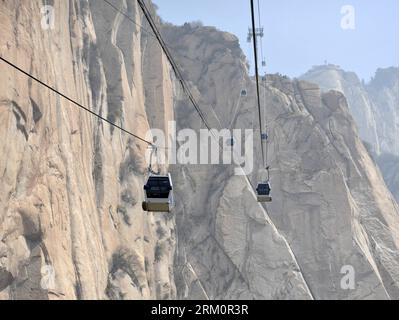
(332, 77)
(71, 223)
(330, 205)
(375, 108)
(389, 166)
(384, 93)
(71, 186)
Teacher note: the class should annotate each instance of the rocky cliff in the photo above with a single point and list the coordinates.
(374, 106)
(71, 186)
(383, 90)
(326, 204)
(332, 77)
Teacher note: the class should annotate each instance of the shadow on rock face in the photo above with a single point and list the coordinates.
(6, 278)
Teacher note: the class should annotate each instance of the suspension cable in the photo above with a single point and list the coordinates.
(74, 102)
(184, 85)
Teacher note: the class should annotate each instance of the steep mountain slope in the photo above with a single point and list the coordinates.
(71, 186)
(389, 165)
(330, 201)
(384, 93)
(228, 247)
(375, 107)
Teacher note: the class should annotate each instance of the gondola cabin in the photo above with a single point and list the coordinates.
(263, 192)
(158, 193)
(230, 142)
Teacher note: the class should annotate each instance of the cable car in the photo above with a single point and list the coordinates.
(230, 142)
(243, 93)
(263, 192)
(158, 192)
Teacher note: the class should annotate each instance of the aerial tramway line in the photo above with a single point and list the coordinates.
(158, 190)
(263, 189)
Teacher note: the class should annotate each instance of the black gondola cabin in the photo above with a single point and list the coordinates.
(263, 192)
(158, 193)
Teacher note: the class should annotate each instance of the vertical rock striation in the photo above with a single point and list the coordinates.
(331, 207)
(375, 108)
(71, 186)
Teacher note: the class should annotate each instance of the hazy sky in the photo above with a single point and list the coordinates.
(303, 33)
